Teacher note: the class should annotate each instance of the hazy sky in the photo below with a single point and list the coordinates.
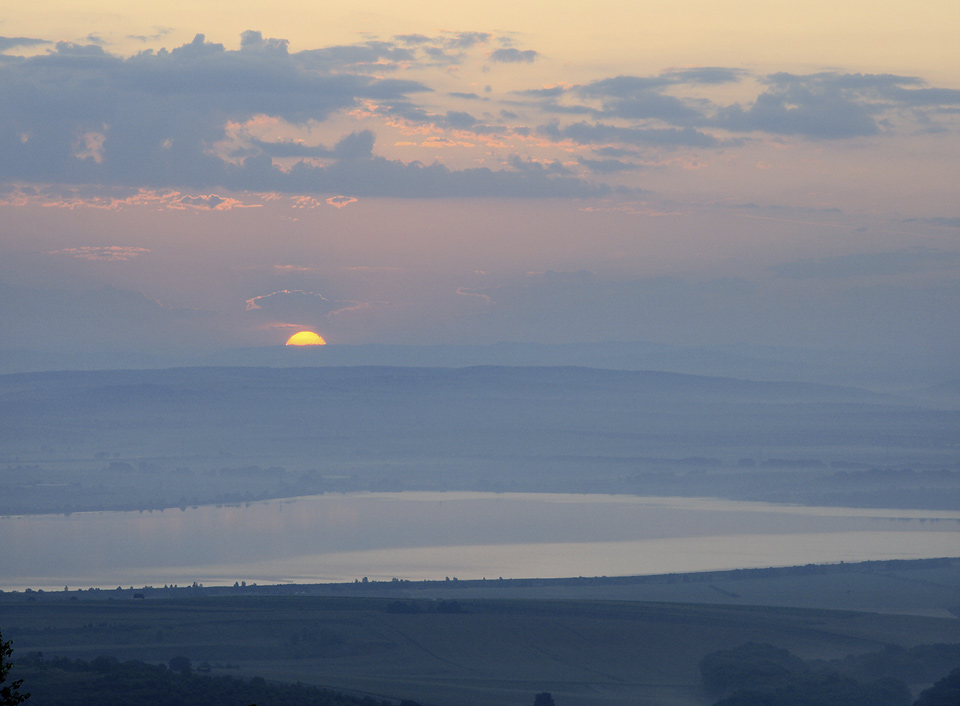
(188, 176)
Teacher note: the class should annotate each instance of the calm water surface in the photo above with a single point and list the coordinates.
(465, 535)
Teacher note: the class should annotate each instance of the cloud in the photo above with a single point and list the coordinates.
(341, 201)
(615, 152)
(466, 40)
(102, 253)
(415, 39)
(448, 49)
(940, 221)
(154, 120)
(586, 133)
(890, 263)
(924, 96)
(286, 149)
(160, 32)
(302, 307)
(113, 198)
(356, 145)
(705, 75)
(291, 299)
(12, 42)
(203, 118)
(540, 166)
(210, 202)
(640, 98)
(305, 202)
(810, 106)
(832, 106)
(823, 106)
(464, 292)
(608, 166)
(295, 269)
(160, 113)
(510, 55)
(382, 177)
(548, 92)
(381, 56)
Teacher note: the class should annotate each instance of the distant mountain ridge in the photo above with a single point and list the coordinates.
(160, 383)
(743, 362)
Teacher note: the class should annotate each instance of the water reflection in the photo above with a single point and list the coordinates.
(470, 535)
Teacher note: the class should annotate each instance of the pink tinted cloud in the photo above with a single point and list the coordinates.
(210, 202)
(341, 201)
(255, 303)
(115, 199)
(464, 292)
(305, 202)
(102, 253)
(295, 268)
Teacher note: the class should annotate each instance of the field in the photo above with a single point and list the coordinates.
(407, 644)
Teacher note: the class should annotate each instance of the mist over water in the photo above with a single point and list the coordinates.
(434, 535)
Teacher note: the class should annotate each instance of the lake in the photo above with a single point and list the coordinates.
(343, 537)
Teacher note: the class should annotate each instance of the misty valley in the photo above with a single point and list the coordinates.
(153, 439)
(480, 535)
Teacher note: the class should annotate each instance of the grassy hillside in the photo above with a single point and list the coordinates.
(468, 652)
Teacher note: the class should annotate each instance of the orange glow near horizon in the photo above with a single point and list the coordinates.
(306, 338)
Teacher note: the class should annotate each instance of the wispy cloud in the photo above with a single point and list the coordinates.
(896, 262)
(14, 42)
(303, 306)
(341, 201)
(511, 55)
(210, 202)
(103, 253)
(113, 198)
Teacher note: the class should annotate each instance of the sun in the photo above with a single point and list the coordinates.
(306, 338)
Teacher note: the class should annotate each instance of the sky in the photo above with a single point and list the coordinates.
(181, 177)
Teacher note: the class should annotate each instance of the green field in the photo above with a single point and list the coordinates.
(469, 651)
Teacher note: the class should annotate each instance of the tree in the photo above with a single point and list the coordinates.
(181, 664)
(543, 699)
(10, 694)
(944, 693)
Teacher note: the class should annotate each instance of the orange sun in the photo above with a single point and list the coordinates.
(306, 338)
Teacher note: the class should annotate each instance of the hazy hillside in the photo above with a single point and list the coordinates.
(151, 438)
(844, 367)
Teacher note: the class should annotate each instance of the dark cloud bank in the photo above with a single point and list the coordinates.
(77, 114)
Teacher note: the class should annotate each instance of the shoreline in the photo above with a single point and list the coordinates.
(406, 588)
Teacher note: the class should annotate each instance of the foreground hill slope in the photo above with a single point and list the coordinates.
(473, 652)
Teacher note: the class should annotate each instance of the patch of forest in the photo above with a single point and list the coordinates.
(756, 674)
(752, 674)
(105, 681)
